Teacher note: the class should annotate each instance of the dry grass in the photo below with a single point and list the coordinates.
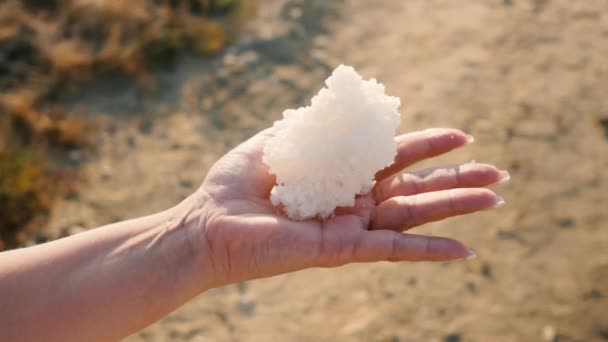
(47, 46)
(25, 194)
(50, 44)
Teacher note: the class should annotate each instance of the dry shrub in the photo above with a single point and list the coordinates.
(73, 40)
(25, 194)
(47, 46)
(26, 125)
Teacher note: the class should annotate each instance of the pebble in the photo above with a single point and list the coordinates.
(549, 334)
(145, 126)
(71, 230)
(75, 155)
(486, 270)
(452, 338)
(230, 59)
(295, 13)
(246, 306)
(249, 57)
(106, 172)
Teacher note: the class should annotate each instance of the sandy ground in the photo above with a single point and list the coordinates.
(528, 78)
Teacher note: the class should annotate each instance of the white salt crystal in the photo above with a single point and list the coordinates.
(325, 154)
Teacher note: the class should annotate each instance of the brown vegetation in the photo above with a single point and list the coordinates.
(46, 47)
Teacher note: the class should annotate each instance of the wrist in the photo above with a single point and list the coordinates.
(191, 217)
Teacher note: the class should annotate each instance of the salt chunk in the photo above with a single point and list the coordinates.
(325, 154)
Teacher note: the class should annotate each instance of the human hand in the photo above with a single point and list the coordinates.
(242, 236)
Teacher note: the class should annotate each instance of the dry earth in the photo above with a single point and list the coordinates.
(528, 78)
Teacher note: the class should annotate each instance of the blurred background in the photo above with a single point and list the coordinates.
(115, 109)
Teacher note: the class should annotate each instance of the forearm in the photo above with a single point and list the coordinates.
(103, 284)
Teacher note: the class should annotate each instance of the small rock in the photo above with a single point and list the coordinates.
(40, 238)
(131, 141)
(111, 128)
(241, 287)
(486, 270)
(321, 41)
(566, 223)
(67, 230)
(206, 103)
(71, 195)
(76, 229)
(452, 338)
(412, 282)
(75, 155)
(295, 13)
(249, 57)
(604, 123)
(230, 59)
(145, 126)
(106, 172)
(246, 306)
(186, 183)
(592, 295)
(221, 77)
(471, 287)
(602, 331)
(515, 166)
(221, 316)
(318, 54)
(549, 334)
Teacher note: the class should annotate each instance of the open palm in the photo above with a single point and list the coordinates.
(246, 237)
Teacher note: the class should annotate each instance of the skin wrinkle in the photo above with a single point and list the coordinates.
(417, 184)
(175, 224)
(457, 175)
(451, 200)
(427, 246)
(208, 242)
(410, 213)
(355, 249)
(156, 241)
(337, 251)
(228, 258)
(394, 245)
(321, 243)
(197, 214)
(351, 245)
(129, 245)
(430, 144)
(378, 191)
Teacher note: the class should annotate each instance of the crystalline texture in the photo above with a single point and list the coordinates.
(325, 154)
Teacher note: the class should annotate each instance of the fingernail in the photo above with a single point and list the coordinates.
(470, 139)
(503, 177)
(472, 255)
(500, 201)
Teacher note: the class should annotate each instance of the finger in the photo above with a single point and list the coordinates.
(416, 146)
(386, 245)
(471, 175)
(403, 212)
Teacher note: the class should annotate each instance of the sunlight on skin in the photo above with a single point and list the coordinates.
(249, 238)
(112, 281)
